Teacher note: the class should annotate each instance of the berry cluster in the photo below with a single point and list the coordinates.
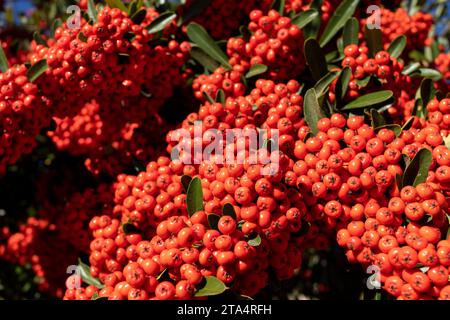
(354, 189)
(382, 70)
(23, 113)
(274, 42)
(109, 143)
(39, 243)
(399, 22)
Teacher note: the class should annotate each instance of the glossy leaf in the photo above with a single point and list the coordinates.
(312, 110)
(4, 64)
(87, 277)
(201, 38)
(213, 221)
(377, 119)
(92, 11)
(278, 5)
(323, 84)
(228, 210)
(204, 59)
(315, 59)
(351, 31)
(255, 70)
(369, 99)
(208, 97)
(37, 70)
(417, 170)
(427, 73)
(254, 242)
(129, 228)
(39, 40)
(427, 91)
(117, 4)
(374, 41)
(211, 287)
(397, 46)
(139, 16)
(55, 25)
(408, 124)
(194, 196)
(162, 21)
(394, 127)
(363, 82)
(410, 68)
(194, 9)
(185, 180)
(338, 19)
(305, 17)
(220, 96)
(342, 83)
(447, 141)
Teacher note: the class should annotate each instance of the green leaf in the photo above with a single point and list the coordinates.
(4, 64)
(369, 99)
(92, 11)
(228, 210)
(408, 124)
(338, 19)
(82, 37)
(129, 228)
(342, 83)
(351, 32)
(194, 196)
(162, 274)
(427, 91)
(220, 96)
(201, 38)
(315, 59)
(211, 287)
(394, 127)
(323, 84)
(95, 296)
(377, 119)
(134, 7)
(278, 5)
(245, 32)
(417, 170)
(312, 110)
(204, 59)
(305, 17)
(255, 70)
(37, 70)
(185, 180)
(139, 16)
(334, 56)
(374, 41)
(87, 277)
(411, 68)
(56, 24)
(447, 141)
(213, 221)
(363, 82)
(146, 94)
(37, 37)
(194, 9)
(397, 46)
(427, 73)
(208, 97)
(117, 4)
(256, 241)
(162, 21)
